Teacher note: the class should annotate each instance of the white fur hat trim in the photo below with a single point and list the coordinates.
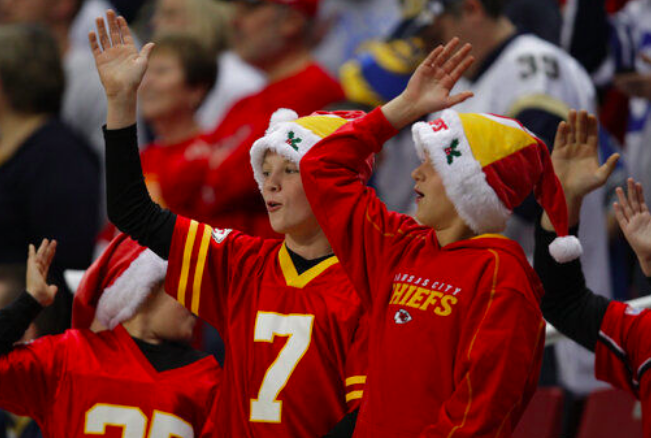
(464, 180)
(120, 301)
(565, 249)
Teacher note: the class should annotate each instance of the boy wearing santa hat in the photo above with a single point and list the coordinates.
(456, 333)
(138, 375)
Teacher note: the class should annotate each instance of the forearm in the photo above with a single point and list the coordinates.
(15, 319)
(121, 111)
(129, 205)
(568, 304)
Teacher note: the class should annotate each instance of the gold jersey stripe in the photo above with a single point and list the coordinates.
(355, 380)
(200, 265)
(292, 277)
(187, 258)
(354, 395)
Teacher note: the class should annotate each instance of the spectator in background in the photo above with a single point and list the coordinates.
(210, 22)
(180, 74)
(275, 36)
(49, 176)
(83, 104)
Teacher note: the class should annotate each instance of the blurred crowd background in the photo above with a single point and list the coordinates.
(218, 72)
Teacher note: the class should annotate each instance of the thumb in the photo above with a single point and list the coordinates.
(145, 52)
(52, 290)
(604, 172)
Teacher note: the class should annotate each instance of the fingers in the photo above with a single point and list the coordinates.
(31, 252)
(49, 254)
(582, 127)
(604, 172)
(623, 202)
(125, 31)
(458, 98)
(146, 51)
(114, 28)
(571, 121)
(461, 68)
(103, 35)
(620, 216)
(632, 196)
(94, 44)
(448, 50)
(431, 58)
(593, 131)
(640, 196)
(561, 136)
(457, 59)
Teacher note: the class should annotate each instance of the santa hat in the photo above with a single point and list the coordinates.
(489, 165)
(291, 136)
(116, 285)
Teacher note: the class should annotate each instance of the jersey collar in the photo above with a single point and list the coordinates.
(292, 277)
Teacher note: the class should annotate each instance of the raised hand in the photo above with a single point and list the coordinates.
(38, 264)
(576, 162)
(576, 156)
(120, 66)
(635, 221)
(429, 88)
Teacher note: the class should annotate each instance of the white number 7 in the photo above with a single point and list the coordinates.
(298, 329)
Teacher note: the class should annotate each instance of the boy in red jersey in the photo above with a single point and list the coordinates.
(139, 375)
(289, 317)
(456, 330)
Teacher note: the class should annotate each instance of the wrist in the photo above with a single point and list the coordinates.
(40, 298)
(121, 111)
(574, 203)
(400, 113)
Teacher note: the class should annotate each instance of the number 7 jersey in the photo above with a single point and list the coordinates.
(296, 345)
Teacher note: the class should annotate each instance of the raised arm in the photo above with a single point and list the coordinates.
(358, 225)
(635, 221)
(121, 69)
(568, 304)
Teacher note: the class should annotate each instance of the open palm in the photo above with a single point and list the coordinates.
(120, 66)
(576, 156)
(635, 221)
(38, 265)
(431, 84)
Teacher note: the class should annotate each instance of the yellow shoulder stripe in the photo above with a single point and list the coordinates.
(354, 395)
(200, 265)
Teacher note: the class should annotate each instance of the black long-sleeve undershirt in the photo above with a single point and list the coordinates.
(129, 205)
(568, 304)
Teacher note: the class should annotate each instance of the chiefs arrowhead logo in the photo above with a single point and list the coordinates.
(402, 317)
(220, 235)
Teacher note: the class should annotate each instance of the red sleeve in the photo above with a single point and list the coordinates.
(357, 365)
(498, 360)
(362, 232)
(29, 377)
(202, 264)
(623, 352)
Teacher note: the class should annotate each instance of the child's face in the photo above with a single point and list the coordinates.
(289, 210)
(434, 208)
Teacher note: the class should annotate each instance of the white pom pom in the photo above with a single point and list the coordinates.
(283, 115)
(565, 249)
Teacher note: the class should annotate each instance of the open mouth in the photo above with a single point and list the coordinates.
(273, 206)
(419, 195)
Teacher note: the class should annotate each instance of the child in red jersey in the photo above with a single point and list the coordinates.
(291, 322)
(456, 330)
(139, 375)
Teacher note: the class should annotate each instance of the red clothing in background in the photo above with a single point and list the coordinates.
(174, 172)
(296, 345)
(456, 332)
(623, 354)
(229, 196)
(82, 384)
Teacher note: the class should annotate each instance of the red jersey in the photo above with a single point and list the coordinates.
(230, 196)
(82, 384)
(173, 171)
(295, 347)
(623, 354)
(456, 332)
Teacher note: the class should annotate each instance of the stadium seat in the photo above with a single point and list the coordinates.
(610, 413)
(543, 417)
